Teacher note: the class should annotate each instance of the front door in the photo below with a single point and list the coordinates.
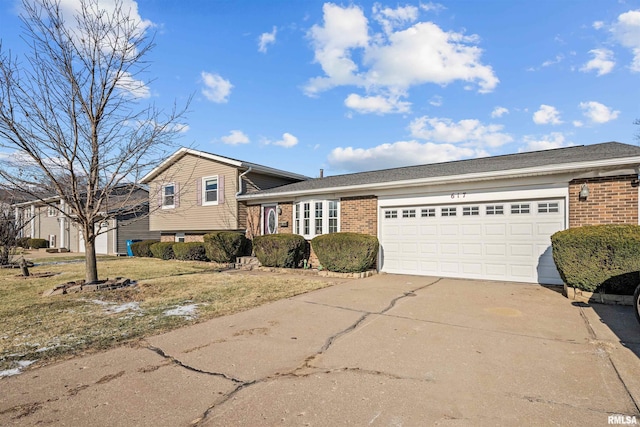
(270, 220)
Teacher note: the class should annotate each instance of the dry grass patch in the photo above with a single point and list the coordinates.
(170, 294)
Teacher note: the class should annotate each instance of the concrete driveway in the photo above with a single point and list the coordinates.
(384, 351)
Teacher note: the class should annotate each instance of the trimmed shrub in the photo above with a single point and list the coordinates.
(280, 250)
(225, 246)
(143, 248)
(346, 252)
(189, 251)
(599, 257)
(38, 243)
(23, 242)
(162, 250)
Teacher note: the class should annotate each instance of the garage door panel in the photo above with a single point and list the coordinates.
(521, 250)
(495, 229)
(511, 245)
(449, 248)
(472, 230)
(428, 248)
(521, 229)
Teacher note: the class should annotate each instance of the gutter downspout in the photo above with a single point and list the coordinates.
(240, 192)
(240, 180)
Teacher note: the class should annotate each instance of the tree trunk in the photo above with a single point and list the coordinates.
(90, 262)
(24, 268)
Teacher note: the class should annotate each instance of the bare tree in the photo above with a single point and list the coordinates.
(74, 113)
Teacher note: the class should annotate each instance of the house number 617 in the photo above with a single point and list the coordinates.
(458, 195)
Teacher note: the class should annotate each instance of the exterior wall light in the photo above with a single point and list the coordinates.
(584, 192)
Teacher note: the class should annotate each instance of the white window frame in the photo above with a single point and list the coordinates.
(164, 195)
(51, 211)
(204, 190)
(302, 222)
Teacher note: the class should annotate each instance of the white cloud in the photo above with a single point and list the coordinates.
(436, 101)
(602, 62)
(558, 59)
(547, 115)
(428, 7)
(136, 88)
(577, 123)
(546, 142)
(597, 25)
(499, 112)
(397, 154)
(394, 18)
(469, 132)
(216, 88)
(287, 141)
(597, 112)
(376, 104)
(388, 63)
(181, 127)
(235, 137)
(266, 39)
(627, 31)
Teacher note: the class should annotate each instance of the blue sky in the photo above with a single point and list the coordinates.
(304, 85)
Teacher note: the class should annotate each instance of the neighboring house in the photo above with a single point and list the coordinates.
(125, 218)
(193, 193)
(487, 218)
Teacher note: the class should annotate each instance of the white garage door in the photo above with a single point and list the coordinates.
(499, 241)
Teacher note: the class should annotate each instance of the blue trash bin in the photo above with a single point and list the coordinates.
(129, 242)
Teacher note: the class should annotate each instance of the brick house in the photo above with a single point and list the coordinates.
(194, 192)
(486, 218)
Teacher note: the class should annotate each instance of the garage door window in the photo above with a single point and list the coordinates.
(390, 214)
(520, 208)
(315, 217)
(428, 212)
(409, 213)
(470, 211)
(448, 212)
(495, 210)
(548, 207)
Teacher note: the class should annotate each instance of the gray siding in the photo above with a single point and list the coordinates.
(130, 228)
(256, 181)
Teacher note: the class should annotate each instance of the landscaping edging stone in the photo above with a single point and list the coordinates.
(576, 294)
(321, 273)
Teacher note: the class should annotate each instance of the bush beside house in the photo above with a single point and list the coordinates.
(38, 243)
(225, 246)
(143, 248)
(280, 250)
(346, 252)
(162, 250)
(599, 258)
(190, 251)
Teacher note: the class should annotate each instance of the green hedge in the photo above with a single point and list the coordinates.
(599, 258)
(143, 248)
(280, 250)
(190, 251)
(346, 252)
(163, 250)
(23, 242)
(225, 246)
(38, 243)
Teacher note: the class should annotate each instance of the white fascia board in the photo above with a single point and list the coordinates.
(629, 162)
(236, 163)
(37, 202)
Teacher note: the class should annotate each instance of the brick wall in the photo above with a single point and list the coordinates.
(359, 215)
(167, 237)
(285, 216)
(612, 200)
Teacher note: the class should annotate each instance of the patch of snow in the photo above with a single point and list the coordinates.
(112, 308)
(186, 311)
(15, 371)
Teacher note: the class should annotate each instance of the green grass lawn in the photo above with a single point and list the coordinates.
(169, 294)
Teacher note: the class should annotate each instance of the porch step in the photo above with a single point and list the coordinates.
(246, 263)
